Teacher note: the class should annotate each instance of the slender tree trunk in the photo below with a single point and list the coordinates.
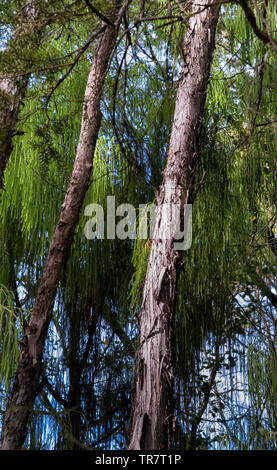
(152, 415)
(74, 369)
(27, 379)
(75, 410)
(13, 89)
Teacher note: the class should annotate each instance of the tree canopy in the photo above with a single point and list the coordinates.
(225, 385)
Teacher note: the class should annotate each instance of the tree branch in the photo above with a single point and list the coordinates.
(265, 290)
(76, 60)
(54, 393)
(98, 13)
(261, 34)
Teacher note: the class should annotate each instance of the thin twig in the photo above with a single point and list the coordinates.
(80, 53)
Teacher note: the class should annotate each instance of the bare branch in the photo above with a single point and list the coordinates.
(98, 13)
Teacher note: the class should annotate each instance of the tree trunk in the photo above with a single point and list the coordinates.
(74, 393)
(13, 90)
(27, 379)
(152, 414)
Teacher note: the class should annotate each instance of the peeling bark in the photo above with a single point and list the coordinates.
(152, 416)
(27, 379)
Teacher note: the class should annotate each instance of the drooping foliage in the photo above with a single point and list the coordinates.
(226, 302)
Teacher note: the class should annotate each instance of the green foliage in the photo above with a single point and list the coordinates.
(217, 301)
(11, 324)
(140, 257)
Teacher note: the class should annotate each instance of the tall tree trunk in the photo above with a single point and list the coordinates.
(152, 415)
(27, 379)
(13, 89)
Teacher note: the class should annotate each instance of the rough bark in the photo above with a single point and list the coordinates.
(27, 379)
(13, 89)
(152, 415)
